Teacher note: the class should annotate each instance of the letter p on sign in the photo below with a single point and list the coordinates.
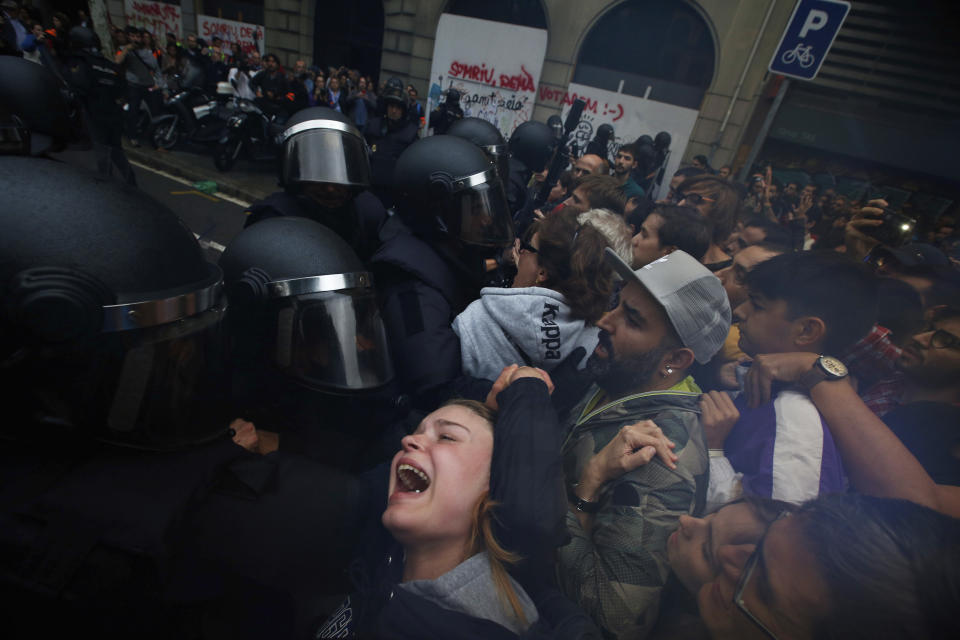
(815, 21)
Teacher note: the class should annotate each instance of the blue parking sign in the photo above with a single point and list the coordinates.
(808, 37)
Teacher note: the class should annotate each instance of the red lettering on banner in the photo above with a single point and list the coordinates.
(477, 73)
(522, 81)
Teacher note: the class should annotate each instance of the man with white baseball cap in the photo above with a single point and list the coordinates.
(635, 458)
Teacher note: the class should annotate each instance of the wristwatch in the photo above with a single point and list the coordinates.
(585, 506)
(825, 368)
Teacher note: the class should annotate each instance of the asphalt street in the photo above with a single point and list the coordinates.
(215, 219)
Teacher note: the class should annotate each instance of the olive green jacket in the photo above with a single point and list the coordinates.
(617, 572)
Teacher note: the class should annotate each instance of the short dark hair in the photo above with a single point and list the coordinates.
(891, 567)
(684, 228)
(604, 193)
(824, 284)
(271, 56)
(773, 232)
(632, 149)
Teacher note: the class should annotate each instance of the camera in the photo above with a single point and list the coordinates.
(895, 229)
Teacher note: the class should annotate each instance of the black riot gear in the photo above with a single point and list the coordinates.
(109, 311)
(36, 112)
(447, 113)
(532, 143)
(486, 136)
(313, 302)
(393, 93)
(321, 145)
(662, 141)
(555, 123)
(324, 169)
(448, 185)
(81, 37)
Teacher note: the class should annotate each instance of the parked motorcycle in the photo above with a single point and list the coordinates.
(249, 131)
(151, 115)
(197, 117)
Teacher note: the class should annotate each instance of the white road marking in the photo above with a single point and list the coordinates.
(209, 244)
(169, 176)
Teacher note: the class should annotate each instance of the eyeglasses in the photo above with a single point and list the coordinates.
(694, 198)
(525, 247)
(745, 580)
(942, 339)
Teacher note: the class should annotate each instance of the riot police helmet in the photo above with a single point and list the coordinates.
(81, 37)
(109, 317)
(393, 93)
(486, 136)
(321, 145)
(302, 303)
(644, 141)
(447, 184)
(452, 97)
(604, 132)
(36, 112)
(555, 123)
(662, 141)
(532, 143)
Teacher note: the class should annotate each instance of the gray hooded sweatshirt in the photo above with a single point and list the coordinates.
(529, 325)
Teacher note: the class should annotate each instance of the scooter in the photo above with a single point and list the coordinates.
(151, 115)
(197, 117)
(251, 131)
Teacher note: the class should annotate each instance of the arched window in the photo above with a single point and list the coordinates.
(661, 44)
(526, 13)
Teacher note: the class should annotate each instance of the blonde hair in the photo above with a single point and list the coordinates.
(482, 537)
(612, 227)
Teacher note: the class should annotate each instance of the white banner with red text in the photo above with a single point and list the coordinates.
(242, 35)
(630, 117)
(159, 18)
(495, 66)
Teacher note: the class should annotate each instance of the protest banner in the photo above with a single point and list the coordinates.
(243, 34)
(495, 66)
(159, 18)
(630, 117)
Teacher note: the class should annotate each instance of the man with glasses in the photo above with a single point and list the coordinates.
(927, 418)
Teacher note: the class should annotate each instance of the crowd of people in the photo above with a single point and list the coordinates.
(466, 387)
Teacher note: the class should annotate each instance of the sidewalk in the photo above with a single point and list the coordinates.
(246, 181)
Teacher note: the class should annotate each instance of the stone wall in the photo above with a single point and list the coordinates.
(410, 29)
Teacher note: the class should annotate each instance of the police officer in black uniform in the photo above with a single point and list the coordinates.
(389, 133)
(325, 171)
(531, 147)
(307, 342)
(126, 508)
(447, 112)
(486, 136)
(99, 85)
(452, 217)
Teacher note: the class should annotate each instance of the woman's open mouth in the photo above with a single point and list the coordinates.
(411, 478)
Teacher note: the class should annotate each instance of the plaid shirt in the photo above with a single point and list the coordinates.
(872, 360)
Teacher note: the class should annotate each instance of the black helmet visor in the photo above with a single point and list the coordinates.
(157, 388)
(325, 151)
(334, 339)
(478, 213)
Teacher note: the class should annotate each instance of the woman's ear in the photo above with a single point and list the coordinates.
(541, 275)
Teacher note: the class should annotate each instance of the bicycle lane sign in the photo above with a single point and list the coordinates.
(808, 37)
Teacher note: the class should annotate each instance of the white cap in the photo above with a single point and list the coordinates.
(693, 298)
